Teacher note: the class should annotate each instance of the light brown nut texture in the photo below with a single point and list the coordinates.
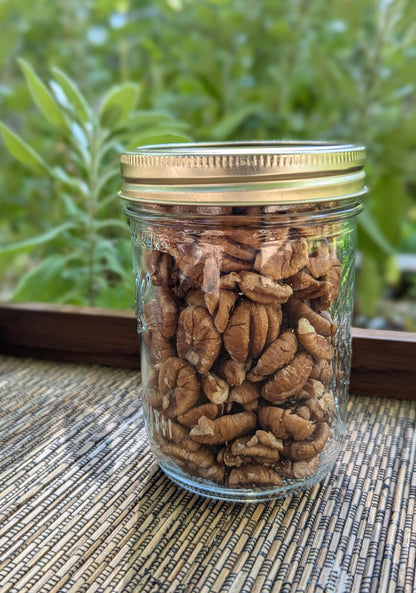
(312, 388)
(191, 417)
(322, 371)
(237, 334)
(220, 307)
(298, 469)
(165, 430)
(279, 353)
(196, 297)
(246, 333)
(178, 381)
(223, 429)
(289, 379)
(314, 343)
(322, 322)
(150, 377)
(201, 462)
(162, 268)
(278, 264)
(285, 424)
(229, 281)
(244, 393)
(159, 347)
(153, 398)
(301, 450)
(227, 248)
(264, 290)
(197, 339)
(254, 475)
(269, 439)
(246, 236)
(319, 261)
(331, 283)
(259, 324)
(166, 312)
(233, 372)
(187, 253)
(215, 388)
(304, 285)
(323, 408)
(274, 314)
(249, 450)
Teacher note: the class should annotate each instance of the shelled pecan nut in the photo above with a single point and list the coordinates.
(242, 344)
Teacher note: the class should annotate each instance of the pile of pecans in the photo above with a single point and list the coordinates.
(239, 348)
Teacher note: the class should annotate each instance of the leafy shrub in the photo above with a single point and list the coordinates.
(86, 257)
(229, 69)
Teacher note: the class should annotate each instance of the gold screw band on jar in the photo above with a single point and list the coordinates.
(243, 173)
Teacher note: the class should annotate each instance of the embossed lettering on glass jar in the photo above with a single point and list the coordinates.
(244, 262)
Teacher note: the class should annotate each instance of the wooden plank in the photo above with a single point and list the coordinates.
(76, 334)
(383, 362)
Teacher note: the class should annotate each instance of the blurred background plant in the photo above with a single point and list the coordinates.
(107, 75)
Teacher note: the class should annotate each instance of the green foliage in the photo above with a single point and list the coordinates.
(85, 260)
(225, 69)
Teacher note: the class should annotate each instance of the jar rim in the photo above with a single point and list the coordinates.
(248, 171)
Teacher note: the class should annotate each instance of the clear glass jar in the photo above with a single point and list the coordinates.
(244, 260)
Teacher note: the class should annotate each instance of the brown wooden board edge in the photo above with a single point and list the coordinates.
(383, 362)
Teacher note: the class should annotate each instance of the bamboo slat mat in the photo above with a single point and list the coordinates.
(84, 508)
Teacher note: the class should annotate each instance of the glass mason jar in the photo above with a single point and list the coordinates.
(244, 260)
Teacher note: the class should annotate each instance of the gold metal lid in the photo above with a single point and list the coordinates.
(234, 173)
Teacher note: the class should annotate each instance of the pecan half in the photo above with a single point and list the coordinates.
(250, 450)
(201, 462)
(220, 306)
(279, 353)
(246, 333)
(298, 469)
(285, 424)
(314, 343)
(289, 379)
(264, 290)
(223, 429)
(244, 393)
(300, 450)
(319, 261)
(254, 475)
(162, 268)
(198, 341)
(322, 321)
(284, 262)
(322, 371)
(233, 372)
(179, 383)
(215, 388)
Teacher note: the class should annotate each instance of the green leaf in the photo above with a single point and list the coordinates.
(148, 117)
(119, 296)
(145, 139)
(42, 97)
(30, 244)
(389, 206)
(110, 222)
(22, 151)
(117, 105)
(367, 224)
(369, 286)
(74, 95)
(47, 282)
(231, 122)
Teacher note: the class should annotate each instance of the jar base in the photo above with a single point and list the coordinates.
(215, 491)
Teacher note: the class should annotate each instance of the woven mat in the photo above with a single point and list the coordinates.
(84, 508)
